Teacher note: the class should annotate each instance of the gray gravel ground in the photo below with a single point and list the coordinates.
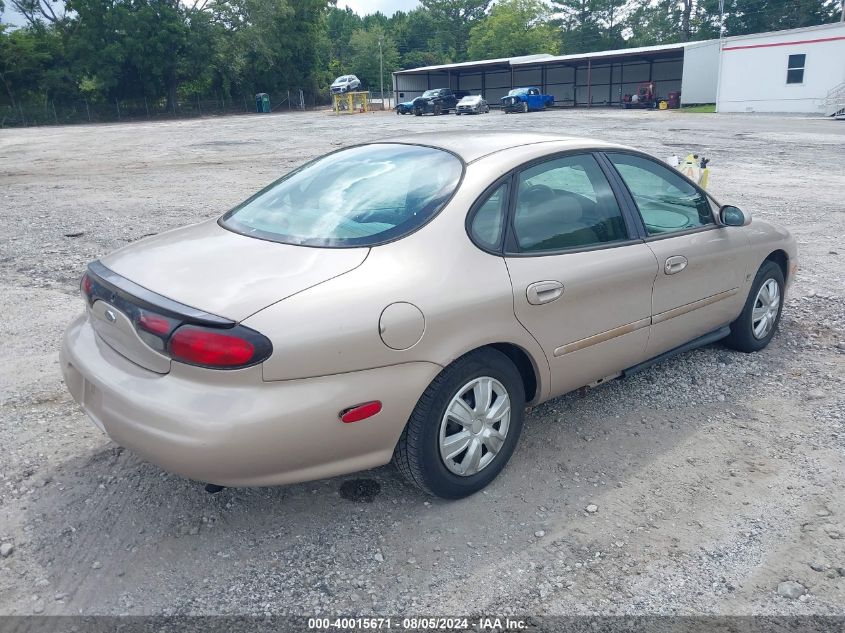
(712, 483)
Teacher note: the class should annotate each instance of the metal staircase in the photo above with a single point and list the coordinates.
(834, 103)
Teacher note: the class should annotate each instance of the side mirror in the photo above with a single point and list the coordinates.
(734, 216)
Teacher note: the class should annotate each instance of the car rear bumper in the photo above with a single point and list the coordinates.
(231, 427)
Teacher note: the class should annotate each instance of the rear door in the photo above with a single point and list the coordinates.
(582, 279)
(702, 265)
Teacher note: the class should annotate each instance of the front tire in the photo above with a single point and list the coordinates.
(465, 426)
(525, 106)
(756, 325)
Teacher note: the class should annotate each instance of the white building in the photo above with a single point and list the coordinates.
(800, 70)
(784, 71)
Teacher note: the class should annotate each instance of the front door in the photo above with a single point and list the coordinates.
(581, 285)
(701, 264)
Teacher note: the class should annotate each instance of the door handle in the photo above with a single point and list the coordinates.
(675, 264)
(543, 292)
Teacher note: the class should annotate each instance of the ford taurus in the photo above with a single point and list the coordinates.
(405, 300)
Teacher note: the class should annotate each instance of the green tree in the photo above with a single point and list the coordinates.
(581, 30)
(340, 25)
(653, 23)
(452, 21)
(742, 17)
(138, 48)
(24, 62)
(514, 27)
(414, 33)
(365, 57)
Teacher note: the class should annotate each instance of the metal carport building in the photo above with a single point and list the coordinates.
(586, 79)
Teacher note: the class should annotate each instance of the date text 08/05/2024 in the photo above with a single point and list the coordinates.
(418, 623)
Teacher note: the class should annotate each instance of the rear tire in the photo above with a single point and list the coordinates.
(424, 452)
(757, 323)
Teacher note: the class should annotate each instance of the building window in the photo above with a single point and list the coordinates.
(795, 69)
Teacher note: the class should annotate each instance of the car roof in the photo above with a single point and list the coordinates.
(471, 146)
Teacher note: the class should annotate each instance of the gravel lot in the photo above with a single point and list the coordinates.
(715, 476)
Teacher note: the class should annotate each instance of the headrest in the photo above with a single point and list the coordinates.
(570, 208)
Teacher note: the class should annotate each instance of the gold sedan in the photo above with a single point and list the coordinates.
(405, 300)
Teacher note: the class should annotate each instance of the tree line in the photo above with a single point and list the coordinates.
(166, 51)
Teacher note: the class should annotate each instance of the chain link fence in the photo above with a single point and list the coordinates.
(58, 111)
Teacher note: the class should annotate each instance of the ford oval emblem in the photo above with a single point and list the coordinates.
(111, 317)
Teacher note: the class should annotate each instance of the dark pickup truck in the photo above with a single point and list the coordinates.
(437, 101)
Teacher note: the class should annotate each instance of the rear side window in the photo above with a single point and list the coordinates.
(360, 196)
(667, 202)
(489, 219)
(566, 203)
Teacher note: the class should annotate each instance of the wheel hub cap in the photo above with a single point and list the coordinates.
(474, 427)
(766, 307)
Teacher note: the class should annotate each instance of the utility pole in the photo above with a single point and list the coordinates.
(381, 68)
(842, 13)
(721, 36)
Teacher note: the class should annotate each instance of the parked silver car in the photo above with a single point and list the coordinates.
(345, 83)
(472, 104)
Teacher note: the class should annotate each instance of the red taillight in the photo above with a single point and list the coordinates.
(155, 324)
(360, 412)
(210, 348)
(86, 287)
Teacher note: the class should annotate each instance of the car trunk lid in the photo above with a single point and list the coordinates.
(201, 274)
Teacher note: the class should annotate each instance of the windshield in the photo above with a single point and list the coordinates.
(340, 80)
(429, 93)
(360, 196)
(518, 91)
(470, 99)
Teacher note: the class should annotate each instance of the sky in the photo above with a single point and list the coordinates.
(361, 7)
(388, 7)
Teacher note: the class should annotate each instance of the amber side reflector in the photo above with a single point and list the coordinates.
(360, 412)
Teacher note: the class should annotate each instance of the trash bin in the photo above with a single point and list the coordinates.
(674, 100)
(262, 102)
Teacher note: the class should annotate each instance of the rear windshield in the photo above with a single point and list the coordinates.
(360, 196)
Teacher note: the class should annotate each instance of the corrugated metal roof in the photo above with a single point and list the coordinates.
(619, 52)
(503, 61)
(527, 60)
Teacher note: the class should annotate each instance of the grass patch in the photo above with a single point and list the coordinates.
(707, 108)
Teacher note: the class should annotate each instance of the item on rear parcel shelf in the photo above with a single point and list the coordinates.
(693, 167)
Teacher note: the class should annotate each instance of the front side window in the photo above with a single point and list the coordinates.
(360, 196)
(566, 203)
(489, 219)
(667, 202)
(795, 69)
